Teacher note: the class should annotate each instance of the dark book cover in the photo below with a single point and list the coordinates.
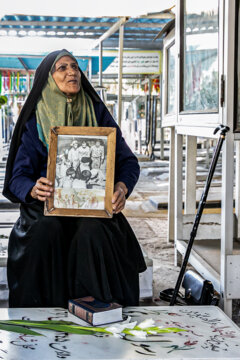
(94, 311)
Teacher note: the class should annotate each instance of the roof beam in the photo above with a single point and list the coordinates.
(54, 23)
(138, 45)
(100, 31)
(93, 37)
(38, 56)
(110, 31)
(131, 24)
(23, 63)
(164, 14)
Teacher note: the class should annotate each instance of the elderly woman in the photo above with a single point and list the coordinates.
(53, 259)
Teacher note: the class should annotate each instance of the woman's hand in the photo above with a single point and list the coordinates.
(42, 189)
(119, 197)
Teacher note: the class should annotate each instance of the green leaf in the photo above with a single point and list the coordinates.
(18, 329)
(72, 328)
(164, 330)
(156, 329)
(58, 326)
(52, 322)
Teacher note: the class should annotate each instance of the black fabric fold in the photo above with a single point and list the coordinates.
(76, 257)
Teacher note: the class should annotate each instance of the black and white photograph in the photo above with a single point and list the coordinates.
(80, 172)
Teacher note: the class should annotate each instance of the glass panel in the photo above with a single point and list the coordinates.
(200, 79)
(237, 64)
(159, 113)
(171, 93)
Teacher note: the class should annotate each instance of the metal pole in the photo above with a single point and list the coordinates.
(171, 189)
(28, 82)
(190, 175)
(161, 128)
(150, 115)
(120, 66)
(147, 130)
(90, 70)
(100, 64)
(154, 125)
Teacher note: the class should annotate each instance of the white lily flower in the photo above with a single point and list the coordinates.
(146, 323)
(152, 332)
(138, 333)
(119, 336)
(127, 321)
(118, 328)
(131, 325)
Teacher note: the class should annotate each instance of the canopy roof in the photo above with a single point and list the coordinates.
(31, 62)
(139, 33)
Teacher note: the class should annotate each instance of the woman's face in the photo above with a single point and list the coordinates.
(67, 75)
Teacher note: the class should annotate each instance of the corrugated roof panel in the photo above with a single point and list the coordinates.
(10, 63)
(92, 27)
(83, 64)
(31, 63)
(107, 60)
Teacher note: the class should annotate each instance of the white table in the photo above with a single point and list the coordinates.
(211, 335)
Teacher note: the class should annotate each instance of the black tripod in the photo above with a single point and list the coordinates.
(202, 202)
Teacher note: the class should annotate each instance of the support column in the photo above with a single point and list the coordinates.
(207, 153)
(190, 175)
(100, 64)
(178, 231)
(149, 148)
(227, 216)
(90, 69)
(28, 82)
(120, 66)
(1, 131)
(140, 142)
(162, 143)
(237, 189)
(161, 128)
(171, 190)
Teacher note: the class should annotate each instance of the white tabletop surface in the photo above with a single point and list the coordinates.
(211, 335)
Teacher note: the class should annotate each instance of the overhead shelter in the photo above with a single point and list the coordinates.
(139, 33)
(30, 62)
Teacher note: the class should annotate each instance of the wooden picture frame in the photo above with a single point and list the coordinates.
(81, 165)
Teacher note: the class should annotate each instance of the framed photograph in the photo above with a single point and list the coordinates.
(81, 163)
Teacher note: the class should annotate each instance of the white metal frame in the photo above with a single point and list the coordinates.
(228, 152)
(192, 120)
(192, 129)
(168, 119)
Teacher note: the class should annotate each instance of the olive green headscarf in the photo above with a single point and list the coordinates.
(54, 108)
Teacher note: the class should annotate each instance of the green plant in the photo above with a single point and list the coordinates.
(3, 100)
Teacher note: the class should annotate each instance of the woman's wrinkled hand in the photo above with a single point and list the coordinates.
(119, 197)
(42, 189)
